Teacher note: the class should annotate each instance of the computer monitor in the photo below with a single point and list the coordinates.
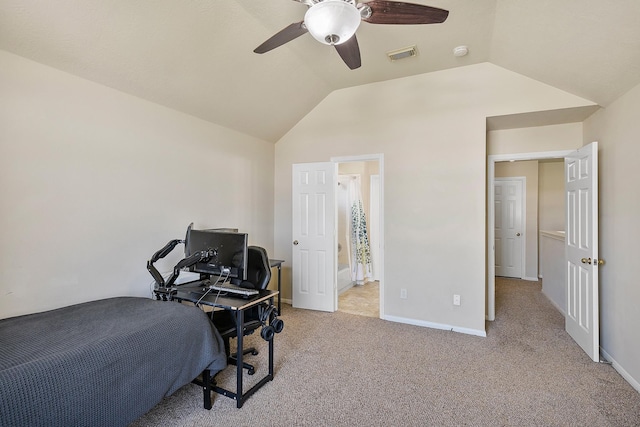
(230, 248)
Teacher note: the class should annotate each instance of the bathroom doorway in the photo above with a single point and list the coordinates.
(358, 211)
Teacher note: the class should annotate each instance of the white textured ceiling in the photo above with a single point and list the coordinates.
(196, 56)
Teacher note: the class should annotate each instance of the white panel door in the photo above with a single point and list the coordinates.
(374, 225)
(581, 244)
(508, 227)
(314, 236)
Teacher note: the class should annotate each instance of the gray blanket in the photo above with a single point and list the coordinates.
(102, 363)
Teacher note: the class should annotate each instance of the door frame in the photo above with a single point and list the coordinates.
(375, 250)
(491, 256)
(523, 222)
(380, 159)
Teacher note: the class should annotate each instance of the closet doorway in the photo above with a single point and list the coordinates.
(358, 213)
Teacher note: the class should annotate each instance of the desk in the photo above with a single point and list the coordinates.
(277, 263)
(237, 306)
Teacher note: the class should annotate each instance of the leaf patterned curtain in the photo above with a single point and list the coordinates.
(360, 250)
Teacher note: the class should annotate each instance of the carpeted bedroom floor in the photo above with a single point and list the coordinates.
(338, 369)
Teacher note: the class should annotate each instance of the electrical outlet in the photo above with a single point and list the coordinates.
(403, 293)
(456, 299)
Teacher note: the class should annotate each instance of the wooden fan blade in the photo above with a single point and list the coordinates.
(349, 51)
(283, 36)
(395, 12)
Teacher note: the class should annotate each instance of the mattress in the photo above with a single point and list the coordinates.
(101, 363)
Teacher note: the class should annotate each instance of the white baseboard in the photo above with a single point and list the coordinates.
(286, 301)
(634, 383)
(553, 303)
(530, 279)
(476, 332)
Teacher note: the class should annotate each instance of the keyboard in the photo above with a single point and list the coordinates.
(233, 289)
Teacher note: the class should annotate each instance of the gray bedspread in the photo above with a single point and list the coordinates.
(101, 363)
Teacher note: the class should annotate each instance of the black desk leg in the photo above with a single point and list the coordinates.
(271, 358)
(239, 357)
(270, 376)
(279, 290)
(206, 388)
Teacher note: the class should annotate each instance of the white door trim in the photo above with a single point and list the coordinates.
(491, 256)
(523, 215)
(380, 159)
(374, 235)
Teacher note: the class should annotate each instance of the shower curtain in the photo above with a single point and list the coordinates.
(360, 251)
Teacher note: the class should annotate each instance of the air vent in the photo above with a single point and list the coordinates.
(406, 52)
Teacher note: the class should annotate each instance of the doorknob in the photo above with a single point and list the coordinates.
(518, 234)
(295, 242)
(598, 261)
(586, 260)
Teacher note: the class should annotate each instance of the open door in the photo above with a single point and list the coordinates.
(582, 319)
(314, 236)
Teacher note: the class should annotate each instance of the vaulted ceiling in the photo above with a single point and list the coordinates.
(196, 56)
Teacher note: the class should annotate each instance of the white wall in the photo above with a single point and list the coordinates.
(431, 129)
(560, 137)
(553, 268)
(94, 181)
(617, 130)
(551, 205)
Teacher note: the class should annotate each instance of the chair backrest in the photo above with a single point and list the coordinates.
(258, 269)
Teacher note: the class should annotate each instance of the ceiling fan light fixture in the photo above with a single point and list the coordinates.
(332, 22)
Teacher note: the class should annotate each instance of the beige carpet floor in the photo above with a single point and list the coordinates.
(338, 369)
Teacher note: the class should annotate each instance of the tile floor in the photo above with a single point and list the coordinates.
(361, 300)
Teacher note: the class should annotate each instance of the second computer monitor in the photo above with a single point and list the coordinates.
(230, 250)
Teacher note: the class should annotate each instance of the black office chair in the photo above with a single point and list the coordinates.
(263, 316)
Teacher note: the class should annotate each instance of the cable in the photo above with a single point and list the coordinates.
(210, 287)
(203, 295)
(152, 287)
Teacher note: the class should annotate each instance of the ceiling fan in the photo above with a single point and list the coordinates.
(334, 22)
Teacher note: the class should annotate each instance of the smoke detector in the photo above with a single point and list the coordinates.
(460, 51)
(403, 53)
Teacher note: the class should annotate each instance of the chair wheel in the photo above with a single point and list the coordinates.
(251, 371)
(254, 353)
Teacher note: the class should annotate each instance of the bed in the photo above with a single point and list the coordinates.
(101, 363)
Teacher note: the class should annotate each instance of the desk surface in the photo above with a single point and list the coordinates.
(194, 294)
